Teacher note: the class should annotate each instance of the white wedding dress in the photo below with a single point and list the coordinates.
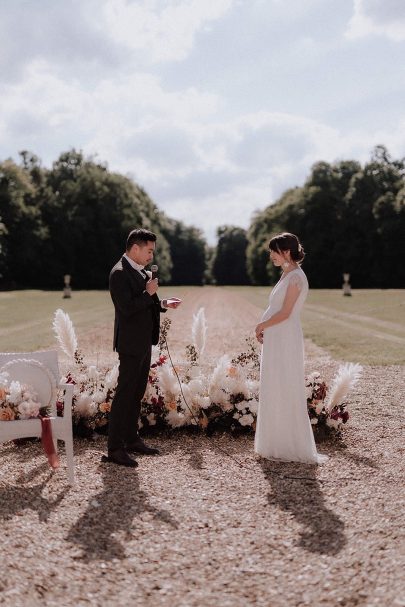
(283, 429)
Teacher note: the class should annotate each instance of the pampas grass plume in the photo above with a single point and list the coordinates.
(65, 333)
(199, 331)
(345, 379)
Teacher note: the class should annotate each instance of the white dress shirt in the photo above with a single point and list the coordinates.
(139, 269)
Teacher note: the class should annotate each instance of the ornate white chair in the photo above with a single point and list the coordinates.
(41, 371)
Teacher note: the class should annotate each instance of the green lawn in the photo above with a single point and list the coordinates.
(26, 316)
(368, 327)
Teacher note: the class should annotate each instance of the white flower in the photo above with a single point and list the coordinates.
(175, 419)
(246, 420)
(219, 396)
(99, 396)
(29, 394)
(194, 372)
(253, 387)
(111, 378)
(196, 386)
(201, 401)
(92, 372)
(28, 408)
(14, 396)
(84, 406)
(4, 376)
(253, 405)
(241, 406)
(314, 421)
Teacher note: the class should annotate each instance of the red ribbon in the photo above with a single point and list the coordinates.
(47, 442)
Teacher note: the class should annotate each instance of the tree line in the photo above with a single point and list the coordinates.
(350, 218)
(74, 219)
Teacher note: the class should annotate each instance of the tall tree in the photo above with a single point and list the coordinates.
(229, 265)
(188, 253)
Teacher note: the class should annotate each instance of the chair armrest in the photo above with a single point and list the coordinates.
(67, 399)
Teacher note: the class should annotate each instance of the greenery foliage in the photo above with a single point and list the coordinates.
(229, 262)
(74, 219)
(349, 218)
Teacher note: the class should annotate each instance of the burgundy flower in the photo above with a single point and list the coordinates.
(344, 416)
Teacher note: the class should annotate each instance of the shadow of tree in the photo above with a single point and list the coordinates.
(112, 511)
(295, 489)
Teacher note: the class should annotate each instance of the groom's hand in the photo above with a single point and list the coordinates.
(152, 286)
(173, 302)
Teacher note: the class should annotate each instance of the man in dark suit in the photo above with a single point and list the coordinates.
(136, 329)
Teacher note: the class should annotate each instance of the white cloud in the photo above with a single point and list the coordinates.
(214, 107)
(378, 17)
(163, 31)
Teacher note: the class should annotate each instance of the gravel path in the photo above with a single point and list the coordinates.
(194, 528)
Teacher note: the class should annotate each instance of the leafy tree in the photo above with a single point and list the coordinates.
(349, 218)
(94, 210)
(23, 229)
(229, 265)
(188, 253)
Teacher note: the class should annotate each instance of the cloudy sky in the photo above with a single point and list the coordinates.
(215, 107)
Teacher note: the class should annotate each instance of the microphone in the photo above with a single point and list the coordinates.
(154, 270)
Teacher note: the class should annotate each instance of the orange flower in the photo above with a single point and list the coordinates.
(6, 414)
(172, 405)
(232, 371)
(2, 394)
(105, 407)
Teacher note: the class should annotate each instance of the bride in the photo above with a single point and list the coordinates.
(283, 429)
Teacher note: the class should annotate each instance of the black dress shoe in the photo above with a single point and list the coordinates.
(140, 447)
(121, 458)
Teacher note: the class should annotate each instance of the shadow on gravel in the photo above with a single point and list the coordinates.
(13, 499)
(295, 489)
(114, 510)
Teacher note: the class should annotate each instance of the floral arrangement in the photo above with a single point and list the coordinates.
(18, 401)
(326, 407)
(192, 393)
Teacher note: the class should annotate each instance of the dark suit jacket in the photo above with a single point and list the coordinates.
(137, 314)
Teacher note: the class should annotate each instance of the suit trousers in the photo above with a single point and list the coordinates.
(126, 405)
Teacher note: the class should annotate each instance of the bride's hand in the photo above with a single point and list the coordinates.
(259, 332)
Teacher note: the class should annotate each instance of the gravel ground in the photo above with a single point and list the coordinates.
(207, 523)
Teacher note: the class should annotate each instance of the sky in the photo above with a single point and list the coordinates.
(214, 107)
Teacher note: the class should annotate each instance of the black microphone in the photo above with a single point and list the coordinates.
(154, 270)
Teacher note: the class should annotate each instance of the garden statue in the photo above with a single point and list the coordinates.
(67, 290)
(347, 290)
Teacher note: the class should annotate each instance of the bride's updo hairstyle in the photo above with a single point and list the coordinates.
(287, 242)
